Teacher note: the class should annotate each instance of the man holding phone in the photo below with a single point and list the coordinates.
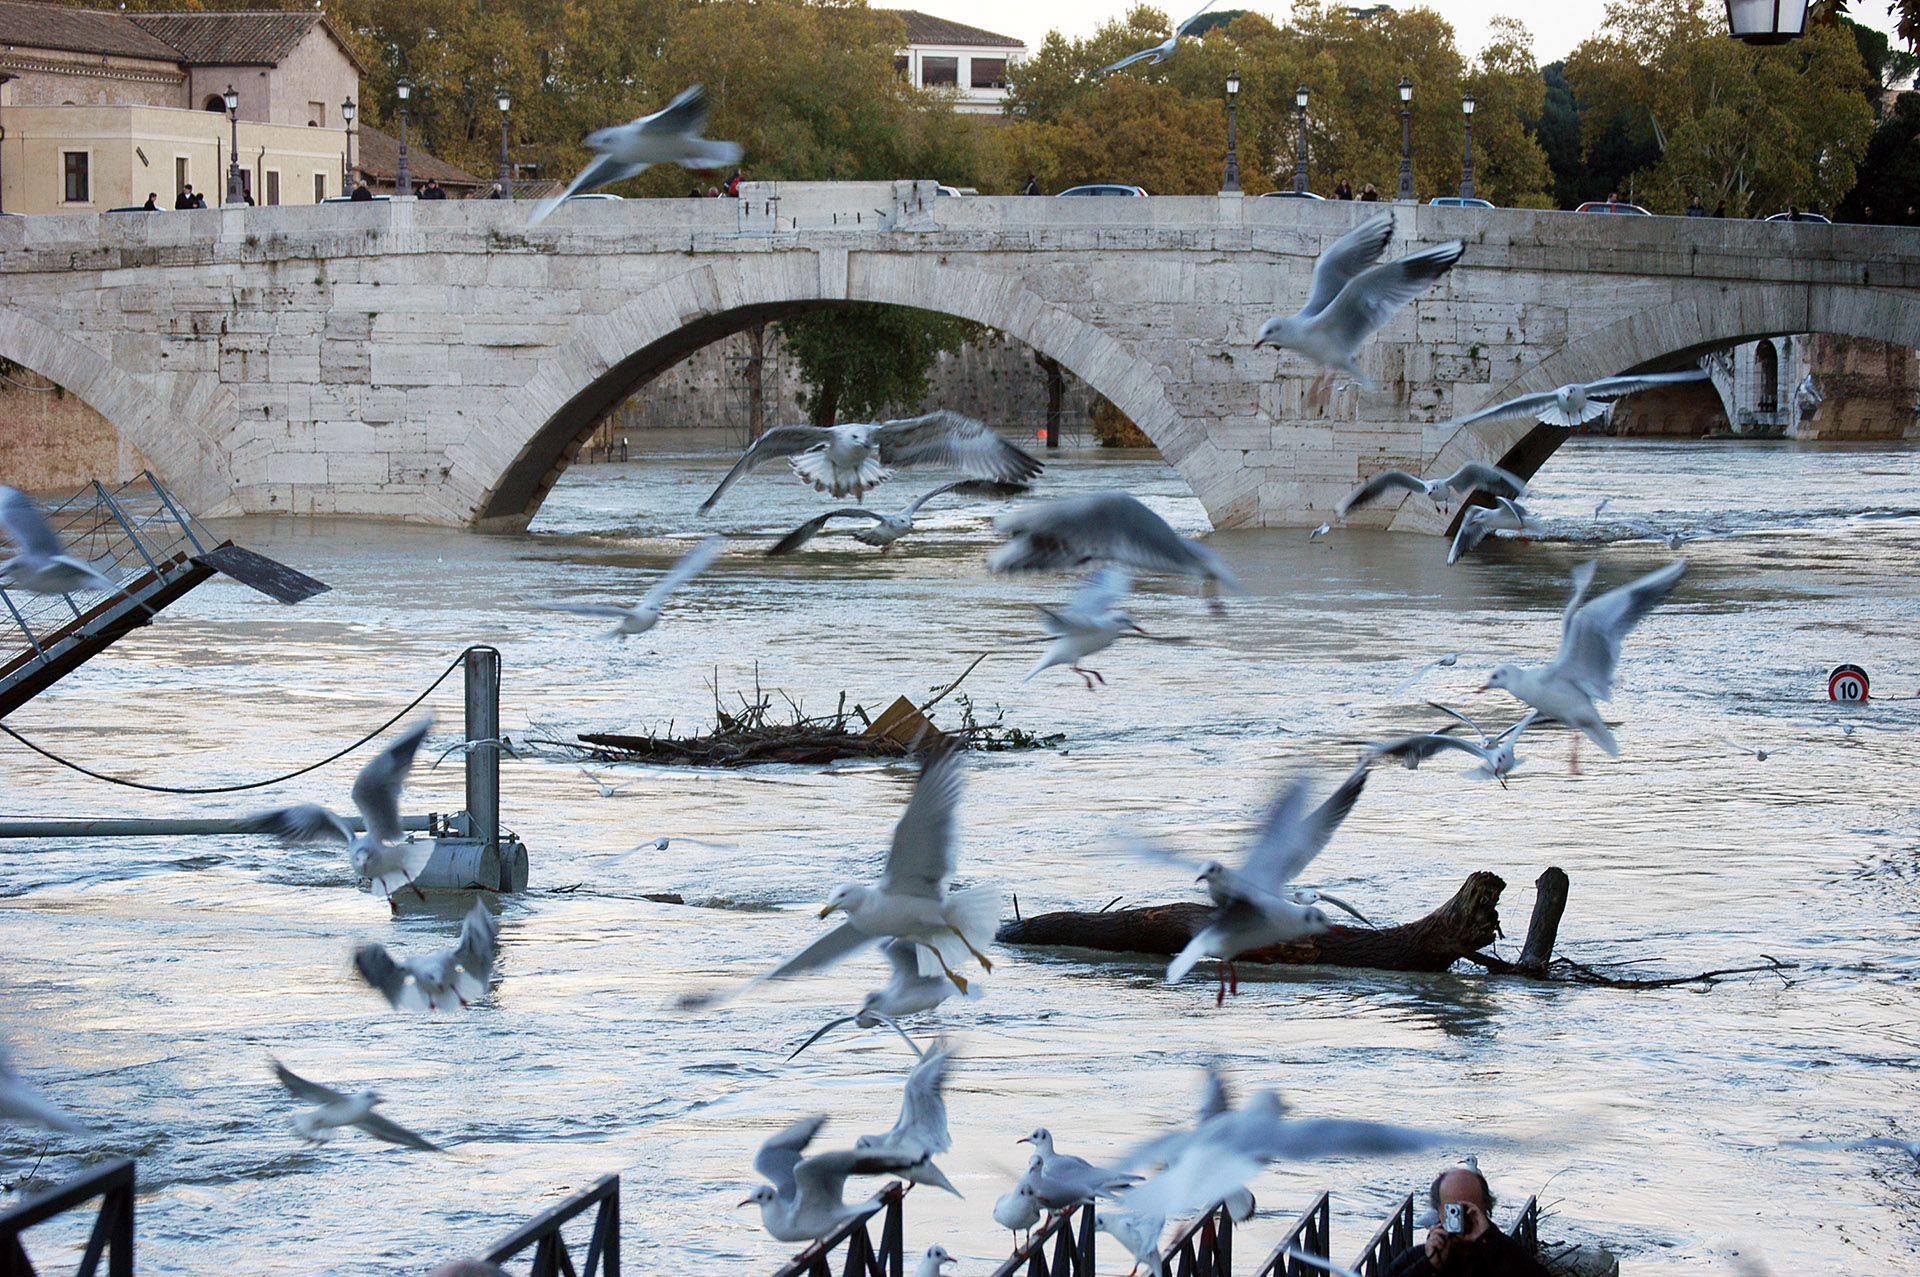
(1465, 1242)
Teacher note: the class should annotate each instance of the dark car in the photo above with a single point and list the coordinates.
(1291, 195)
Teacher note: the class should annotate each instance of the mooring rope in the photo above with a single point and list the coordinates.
(252, 784)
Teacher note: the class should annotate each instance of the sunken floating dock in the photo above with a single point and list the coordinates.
(1461, 928)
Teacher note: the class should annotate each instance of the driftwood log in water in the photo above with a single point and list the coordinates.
(1460, 928)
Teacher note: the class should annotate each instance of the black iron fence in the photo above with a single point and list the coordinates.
(551, 1257)
(112, 1235)
(863, 1259)
(1311, 1234)
(1072, 1248)
(1204, 1248)
(1391, 1238)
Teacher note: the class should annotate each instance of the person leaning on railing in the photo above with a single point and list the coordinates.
(1479, 1249)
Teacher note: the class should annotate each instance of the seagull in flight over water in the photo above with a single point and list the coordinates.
(457, 975)
(670, 135)
(645, 614)
(1577, 403)
(1107, 527)
(334, 1110)
(888, 528)
(1475, 476)
(41, 563)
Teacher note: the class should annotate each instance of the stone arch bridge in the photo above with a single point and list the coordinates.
(442, 362)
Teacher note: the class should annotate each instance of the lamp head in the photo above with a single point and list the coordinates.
(232, 96)
(1466, 104)
(1406, 88)
(504, 100)
(348, 110)
(402, 90)
(1233, 83)
(1300, 97)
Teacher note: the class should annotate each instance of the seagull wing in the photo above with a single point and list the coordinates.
(824, 1178)
(1182, 28)
(26, 527)
(1615, 387)
(609, 610)
(922, 857)
(991, 488)
(1352, 253)
(1370, 298)
(781, 1153)
(1454, 713)
(301, 1089)
(781, 441)
(393, 1133)
(21, 1103)
(1291, 836)
(1414, 750)
(922, 1126)
(1582, 581)
(1592, 643)
(377, 967)
(690, 565)
(305, 823)
(686, 114)
(1477, 476)
(376, 790)
(1309, 1139)
(824, 952)
(602, 170)
(479, 944)
(1473, 529)
(1380, 484)
(1129, 60)
(1216, 1096)
(947, 438)
(1108, 527)
(811, 528)
(1101, 591)
(1521, 406)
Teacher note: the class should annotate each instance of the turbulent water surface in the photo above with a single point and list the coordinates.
(146, 982)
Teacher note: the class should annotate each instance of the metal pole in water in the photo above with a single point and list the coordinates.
(483, 753)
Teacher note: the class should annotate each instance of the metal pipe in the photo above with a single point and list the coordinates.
(142, 828)
(483, 750)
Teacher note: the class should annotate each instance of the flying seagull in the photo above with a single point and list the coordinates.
(41, 563)
(1495, 753)
(856, 456)
(1165, 49)
(921, 1129)
(1581, 672)
(1578, 402)
(1108, 527)
(335, 1110)
(907, 993)
(1091, 623)
(645, 614)
(21, 1103)
(805, 1197)
(668, 136)
(1474, 476)
(888, 528)
(453, 976)
(1505, 515)
(1351, 298)
(381, 853)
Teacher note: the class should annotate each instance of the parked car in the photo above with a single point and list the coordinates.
(1610, 206)
(1459, 201)
(348, 199)
(943, 189)
(1799, 217)
(1291, 195)
(1102, 188)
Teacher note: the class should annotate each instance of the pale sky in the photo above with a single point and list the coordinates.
(1556, 27)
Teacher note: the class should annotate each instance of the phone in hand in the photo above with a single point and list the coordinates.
(1454, 1217)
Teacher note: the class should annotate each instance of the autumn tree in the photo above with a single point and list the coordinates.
(861, 359)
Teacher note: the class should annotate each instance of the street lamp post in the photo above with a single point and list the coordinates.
(236, 187)
(505, 103)
(1406, 138)
(1300, 155)
(1466, 164)
(347, 109)
(4, 77)
(402, 176)
(1232, 183)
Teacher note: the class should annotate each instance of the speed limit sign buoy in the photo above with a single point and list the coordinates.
(1847, 683)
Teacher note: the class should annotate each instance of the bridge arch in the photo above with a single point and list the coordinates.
(175, 431)
(515, 460)
(1663, 337)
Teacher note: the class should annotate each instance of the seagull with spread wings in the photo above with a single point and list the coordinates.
(1504, 515)
(1581, 672)
(858, 455)
(1165, 49)
(1352, 298)
(645, 614)
(1578, 402)
(1106, 528)
(1092, 622)
(459, 975)
(1474, 476)
(670, 135)
(921, 1129)
(381, 853)
(804, 1199)
(1495, 753)
(885, 529)
(909, 992)
(334, 1110)
(41, 562)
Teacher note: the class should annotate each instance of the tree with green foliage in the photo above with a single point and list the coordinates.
(1889, 177)
(863, 358)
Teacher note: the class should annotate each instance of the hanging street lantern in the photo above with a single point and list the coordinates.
(1766, 22)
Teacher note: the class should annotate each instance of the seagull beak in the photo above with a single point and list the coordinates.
(826, 912)
(1200, 878)
(1023, 1140)
(1484, 687)
(748, 1202)
(1259, 342)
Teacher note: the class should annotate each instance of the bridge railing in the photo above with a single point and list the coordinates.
(863, 1259)
(551, 1257)
(112, 1236)
(1388, 1240)
(1072, 1248)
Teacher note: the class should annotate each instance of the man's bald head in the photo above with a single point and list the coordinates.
(1460, 1185)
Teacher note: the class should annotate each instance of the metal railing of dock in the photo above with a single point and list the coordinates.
(863, 1259)
(551, 1258)
(1311, 1234)
(1387, 1241)
(112, 1236)
(1072, 1248)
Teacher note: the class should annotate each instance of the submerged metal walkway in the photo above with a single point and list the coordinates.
(138, 536)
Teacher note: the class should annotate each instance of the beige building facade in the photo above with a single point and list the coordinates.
(100, 109)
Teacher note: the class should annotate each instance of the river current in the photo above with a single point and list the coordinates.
(146, 982)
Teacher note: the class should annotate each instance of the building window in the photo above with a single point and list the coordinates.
(1766, 377)
(989, 73)
(939, 71)
(316, 115)
(180, 179)
(77, 187)
(319, 187)
(902, 67)
(217, 103)
(273, 186)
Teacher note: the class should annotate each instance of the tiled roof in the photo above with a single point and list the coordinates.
(229, 39)
(45, 26)
(377, 155)
(924, 28)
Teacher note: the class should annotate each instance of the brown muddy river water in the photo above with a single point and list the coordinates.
(146, 982)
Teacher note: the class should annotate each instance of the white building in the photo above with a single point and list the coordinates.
(943, 54)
